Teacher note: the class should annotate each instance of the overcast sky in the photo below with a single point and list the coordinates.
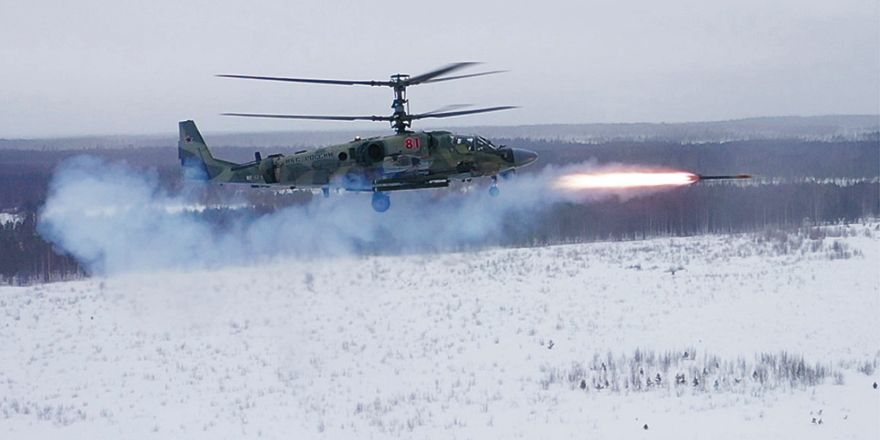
(116, 67)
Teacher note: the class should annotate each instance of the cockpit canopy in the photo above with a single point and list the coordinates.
(474, 143)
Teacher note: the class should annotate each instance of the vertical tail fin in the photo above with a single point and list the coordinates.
(196, 160)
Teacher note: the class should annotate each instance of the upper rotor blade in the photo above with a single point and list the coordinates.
(309, 80)
(462, 112)
(317, 117)
(447, 78)
(418, 79)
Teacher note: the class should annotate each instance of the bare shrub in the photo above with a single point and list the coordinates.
(819, 241)
(868, 367)
(684, 371)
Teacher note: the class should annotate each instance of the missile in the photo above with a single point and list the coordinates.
(699, 177)
(621, 180)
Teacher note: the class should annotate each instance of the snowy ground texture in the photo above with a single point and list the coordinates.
(770, 335)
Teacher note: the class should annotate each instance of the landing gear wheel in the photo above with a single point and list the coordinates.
(381, 202)
(493, 190)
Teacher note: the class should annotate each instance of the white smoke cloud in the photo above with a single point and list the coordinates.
(114, 219)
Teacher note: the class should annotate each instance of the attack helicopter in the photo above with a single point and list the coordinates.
(405, 160)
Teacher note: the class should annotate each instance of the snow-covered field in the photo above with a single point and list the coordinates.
(554, 342)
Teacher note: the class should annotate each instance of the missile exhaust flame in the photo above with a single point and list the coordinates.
(626, 180)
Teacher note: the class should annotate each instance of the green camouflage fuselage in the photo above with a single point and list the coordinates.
(408, 160)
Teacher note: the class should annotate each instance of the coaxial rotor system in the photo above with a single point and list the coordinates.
(400, 119)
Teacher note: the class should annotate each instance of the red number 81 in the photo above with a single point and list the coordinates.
(412, 143)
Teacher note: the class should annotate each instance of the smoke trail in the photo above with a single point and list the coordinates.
(114, 219)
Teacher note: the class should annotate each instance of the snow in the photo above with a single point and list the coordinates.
(7, 218)
(454, 345)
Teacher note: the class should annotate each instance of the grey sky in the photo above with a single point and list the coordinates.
(113, 67)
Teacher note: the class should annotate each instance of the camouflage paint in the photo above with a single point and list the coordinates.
(409, 160)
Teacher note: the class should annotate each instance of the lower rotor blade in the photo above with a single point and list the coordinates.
(447, 108)
(462, 112)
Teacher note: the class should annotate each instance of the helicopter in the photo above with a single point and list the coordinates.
(405, 160)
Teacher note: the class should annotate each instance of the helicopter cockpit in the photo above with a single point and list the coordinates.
(474, 143)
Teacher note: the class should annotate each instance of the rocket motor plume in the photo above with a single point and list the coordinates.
(625, 180)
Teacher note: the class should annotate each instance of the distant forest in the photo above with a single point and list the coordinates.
(812, 181)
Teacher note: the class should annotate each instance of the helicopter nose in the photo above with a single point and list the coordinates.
(523, 157)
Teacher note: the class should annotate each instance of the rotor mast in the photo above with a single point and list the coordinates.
(400, 119)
